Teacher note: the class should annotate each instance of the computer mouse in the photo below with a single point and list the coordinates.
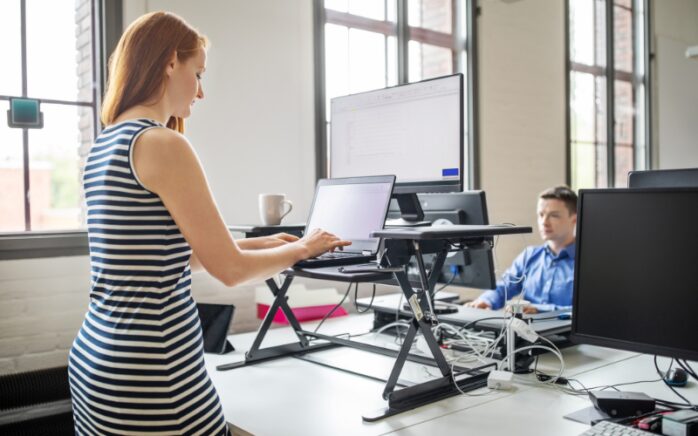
(676, 377)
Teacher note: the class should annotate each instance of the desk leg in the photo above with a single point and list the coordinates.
(257, 355)
(428, 392)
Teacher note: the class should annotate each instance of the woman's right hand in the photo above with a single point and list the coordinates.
(319, 241)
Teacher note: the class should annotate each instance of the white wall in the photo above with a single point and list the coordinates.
(254, 130)
(676, 84)
(42, 305)
(522, 111)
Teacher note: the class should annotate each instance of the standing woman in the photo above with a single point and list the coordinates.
(137, 363)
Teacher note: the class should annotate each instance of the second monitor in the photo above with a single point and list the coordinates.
(473, 267)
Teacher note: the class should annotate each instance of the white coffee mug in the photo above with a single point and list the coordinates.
(271, 208)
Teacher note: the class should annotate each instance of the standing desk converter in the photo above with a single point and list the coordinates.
(399, 246)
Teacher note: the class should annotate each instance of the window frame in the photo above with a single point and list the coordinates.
(107, 26)
(466, 11)
(611, 75)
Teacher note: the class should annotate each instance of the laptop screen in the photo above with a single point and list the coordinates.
(351, 209)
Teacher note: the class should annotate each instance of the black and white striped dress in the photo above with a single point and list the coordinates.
(137, 364)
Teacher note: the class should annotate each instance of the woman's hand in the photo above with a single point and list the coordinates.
(319, 241)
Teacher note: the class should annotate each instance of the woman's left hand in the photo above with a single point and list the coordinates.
(279, 239)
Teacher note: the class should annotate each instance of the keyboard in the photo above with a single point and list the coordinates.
(337, 258)
(608, 428)
(337, 255)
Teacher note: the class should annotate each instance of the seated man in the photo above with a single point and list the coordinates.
(544, 273)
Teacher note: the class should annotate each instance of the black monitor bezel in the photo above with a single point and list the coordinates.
(581, 338)
(668, 178)
(440, 186)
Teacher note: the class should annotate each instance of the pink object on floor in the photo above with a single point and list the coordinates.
(308, 313)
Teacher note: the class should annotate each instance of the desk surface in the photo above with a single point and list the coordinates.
(293, 396)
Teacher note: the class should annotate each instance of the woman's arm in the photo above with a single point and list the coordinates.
(270, 241)
(167, 165)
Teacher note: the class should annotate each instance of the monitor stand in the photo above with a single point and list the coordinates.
(410, 210)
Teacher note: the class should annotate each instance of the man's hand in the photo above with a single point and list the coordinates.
(526, 309)
(478, 304)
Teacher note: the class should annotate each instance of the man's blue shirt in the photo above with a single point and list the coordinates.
(548, 280)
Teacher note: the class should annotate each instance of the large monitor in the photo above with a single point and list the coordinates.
(635, 280)
(473, 267)
(674, 178)
(414, 131)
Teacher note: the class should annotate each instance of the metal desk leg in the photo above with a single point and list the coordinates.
(255, 354)
(424, 393)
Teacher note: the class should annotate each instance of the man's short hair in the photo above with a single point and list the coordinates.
(564, 194)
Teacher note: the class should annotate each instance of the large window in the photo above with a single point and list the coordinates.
(608, 99)
(371, 44)
(50, 54)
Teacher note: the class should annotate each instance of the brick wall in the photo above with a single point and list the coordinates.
(86, 84)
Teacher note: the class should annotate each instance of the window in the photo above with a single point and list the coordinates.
(371, 44)
(609, 125)
(51, 48)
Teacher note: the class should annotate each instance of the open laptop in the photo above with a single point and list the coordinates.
(351, 208)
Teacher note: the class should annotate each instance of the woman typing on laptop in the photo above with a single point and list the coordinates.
(152, 220)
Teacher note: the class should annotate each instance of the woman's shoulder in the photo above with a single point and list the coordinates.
(162, 139)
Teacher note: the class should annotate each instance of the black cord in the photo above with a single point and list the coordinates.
(686, 367)
(449, 283)
(473, 323)
(687, 403)
(334, 308)
(370, 305)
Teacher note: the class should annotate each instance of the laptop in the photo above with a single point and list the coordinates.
(351, 208)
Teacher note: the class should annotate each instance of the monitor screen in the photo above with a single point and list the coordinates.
(474, 267)
(351, 210)
(635, 270)
(414, 131)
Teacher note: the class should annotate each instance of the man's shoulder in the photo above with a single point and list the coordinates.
(533, 250)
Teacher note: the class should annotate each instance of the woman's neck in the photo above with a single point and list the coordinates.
(141, 111)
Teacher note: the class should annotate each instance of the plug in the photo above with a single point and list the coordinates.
(524, 330)
(500, 380)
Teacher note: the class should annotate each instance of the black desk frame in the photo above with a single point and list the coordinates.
(403, 399)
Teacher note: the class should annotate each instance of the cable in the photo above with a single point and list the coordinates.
(449, 283)
(370, 305)
(659, 372)
(686, 367)
(334, 308)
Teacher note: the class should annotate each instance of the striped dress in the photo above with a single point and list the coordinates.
(137, 363)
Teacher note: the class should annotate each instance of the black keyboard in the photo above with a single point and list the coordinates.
(338, 258)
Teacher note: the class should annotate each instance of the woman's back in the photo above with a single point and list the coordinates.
(137, 362)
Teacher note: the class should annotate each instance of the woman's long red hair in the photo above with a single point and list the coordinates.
(137, 68)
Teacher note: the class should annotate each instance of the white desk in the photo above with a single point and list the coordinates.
(289, 396)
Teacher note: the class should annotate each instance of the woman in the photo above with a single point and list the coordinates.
(137, 363)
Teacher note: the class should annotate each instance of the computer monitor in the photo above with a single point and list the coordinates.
(635, 280)
(414, 131)
(473, 267)
(686, 177)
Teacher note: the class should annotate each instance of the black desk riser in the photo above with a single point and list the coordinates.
(400, 246)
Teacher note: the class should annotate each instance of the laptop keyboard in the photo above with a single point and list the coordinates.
(337, 255)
